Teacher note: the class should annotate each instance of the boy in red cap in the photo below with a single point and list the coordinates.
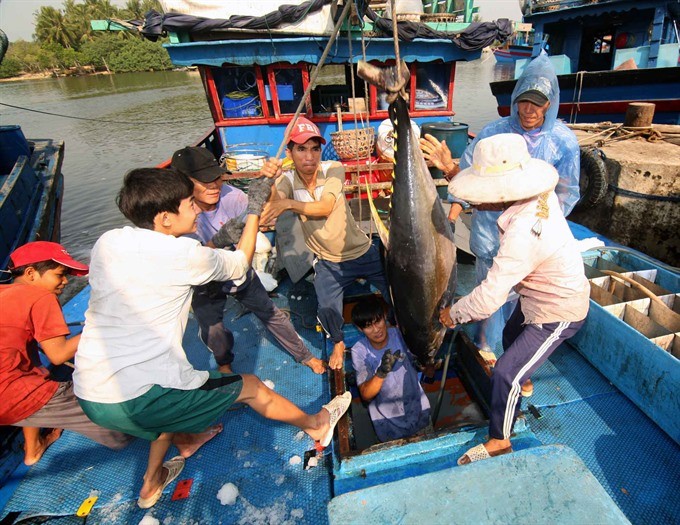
(32, 315)
(314, 191)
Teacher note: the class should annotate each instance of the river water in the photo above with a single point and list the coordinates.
(136, 120)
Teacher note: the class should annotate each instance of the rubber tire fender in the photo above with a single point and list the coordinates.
(593, 181)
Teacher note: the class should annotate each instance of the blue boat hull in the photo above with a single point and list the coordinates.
(512, 53)
(604, 95)
(30, 198)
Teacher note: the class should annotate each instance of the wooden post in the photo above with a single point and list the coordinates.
(639, 115)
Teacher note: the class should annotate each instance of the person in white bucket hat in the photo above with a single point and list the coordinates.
(533, 116)
(537, 257)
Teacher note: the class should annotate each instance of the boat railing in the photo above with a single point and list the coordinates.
(532, 7)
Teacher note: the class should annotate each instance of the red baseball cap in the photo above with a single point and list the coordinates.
(38, 251)
(303, 130)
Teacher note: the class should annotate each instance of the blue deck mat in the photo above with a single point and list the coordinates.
(566, 377)
(632, 458)
(635, 461)
(252, 453)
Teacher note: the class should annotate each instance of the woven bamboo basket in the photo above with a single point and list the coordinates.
(408, 17)
(353, 143)
(438, 18)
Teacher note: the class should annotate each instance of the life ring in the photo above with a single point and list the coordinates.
(593, 181)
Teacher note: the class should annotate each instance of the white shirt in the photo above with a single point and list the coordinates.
(139, 305)
(546, 270)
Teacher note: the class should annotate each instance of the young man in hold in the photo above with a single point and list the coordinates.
(132, 373)
(314, 191)
(31, 314)
(223, 210)
(386, 375)
(537, 257)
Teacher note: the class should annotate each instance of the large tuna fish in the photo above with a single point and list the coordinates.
(421, 255)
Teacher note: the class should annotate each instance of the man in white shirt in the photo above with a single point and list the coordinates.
(131, 370)
(537, 257)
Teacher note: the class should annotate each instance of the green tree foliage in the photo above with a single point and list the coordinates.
(64, 39)
(52, 27)
(99, 51)
(136, 9)
(29, 55)
(140, 55)
(10, 67)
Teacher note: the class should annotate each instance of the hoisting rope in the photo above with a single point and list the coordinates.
(395, 36)
(578, 88)
(312, 80)
(356, 125)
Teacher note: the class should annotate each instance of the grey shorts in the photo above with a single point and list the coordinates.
(63, 411)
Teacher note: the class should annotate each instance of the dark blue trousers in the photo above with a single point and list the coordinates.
(332, 279)
(526, 347)
(208, 304)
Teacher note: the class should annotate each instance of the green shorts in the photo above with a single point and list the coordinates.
(168, 409)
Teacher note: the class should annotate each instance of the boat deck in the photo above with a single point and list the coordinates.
(631, 457)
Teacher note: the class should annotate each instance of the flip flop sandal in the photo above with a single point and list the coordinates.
(174, 466)
(476, 453)
(479, 452)
(336, 408)
(488, 356)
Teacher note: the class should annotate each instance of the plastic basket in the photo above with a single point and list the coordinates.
(245, 157)
(353, 143)
(241, 105)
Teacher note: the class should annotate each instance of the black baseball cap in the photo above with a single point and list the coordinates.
(197, 163)
(534, 96)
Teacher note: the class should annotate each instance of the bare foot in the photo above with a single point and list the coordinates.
(188, 444)
(225, 369)
(322, 420)
(43, 444)
(317, 365)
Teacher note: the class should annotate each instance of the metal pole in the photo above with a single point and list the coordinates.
(445, 370)
(312, 80)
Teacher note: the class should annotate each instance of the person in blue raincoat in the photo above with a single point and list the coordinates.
(535, 102)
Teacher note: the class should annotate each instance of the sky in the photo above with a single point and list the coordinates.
(17, 21)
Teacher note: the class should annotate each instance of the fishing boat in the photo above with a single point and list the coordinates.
(31, 192)
(31, 186)
(599, 441)
(607, 53)
(519, 46)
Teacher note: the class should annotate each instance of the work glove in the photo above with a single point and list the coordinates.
(259, 191)
(229, 233)
(387, 363)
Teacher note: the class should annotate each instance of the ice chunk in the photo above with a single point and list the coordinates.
(268, 280)
(228, 494)
(148, 519)
(269, 383)
(295, 460)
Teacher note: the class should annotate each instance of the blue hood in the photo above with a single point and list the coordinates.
(540, 75)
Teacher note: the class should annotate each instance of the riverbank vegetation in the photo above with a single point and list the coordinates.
(64, 42)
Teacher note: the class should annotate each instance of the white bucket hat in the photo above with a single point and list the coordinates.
(503, 171)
